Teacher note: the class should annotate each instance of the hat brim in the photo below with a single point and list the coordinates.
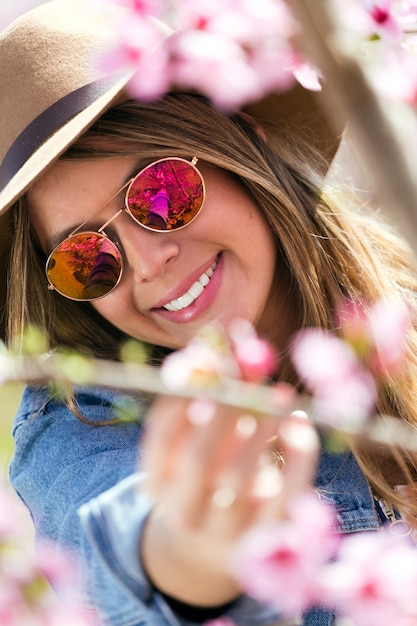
(56, 144)
(296, 112)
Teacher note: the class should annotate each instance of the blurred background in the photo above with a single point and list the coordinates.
(9, 400)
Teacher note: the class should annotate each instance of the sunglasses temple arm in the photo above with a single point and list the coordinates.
(90, 217)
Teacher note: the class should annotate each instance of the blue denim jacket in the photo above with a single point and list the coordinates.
(82, 487)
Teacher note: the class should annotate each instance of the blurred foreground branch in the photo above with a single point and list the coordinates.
(248, 397)
(383, 149)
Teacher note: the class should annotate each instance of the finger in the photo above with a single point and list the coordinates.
(299, 443)
(251, 447)
(238, 492)
(205, 454)
(166, 433)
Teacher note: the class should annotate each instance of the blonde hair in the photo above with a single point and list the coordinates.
(326, 251)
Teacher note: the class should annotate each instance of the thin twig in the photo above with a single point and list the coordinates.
(247, 397)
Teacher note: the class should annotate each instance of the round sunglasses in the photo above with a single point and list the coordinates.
(166, 195)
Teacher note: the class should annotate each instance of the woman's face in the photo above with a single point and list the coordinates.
(229, 246)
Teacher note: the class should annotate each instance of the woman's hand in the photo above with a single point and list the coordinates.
(212, 476)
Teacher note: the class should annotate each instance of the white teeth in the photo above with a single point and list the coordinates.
(185, 300)
(170, 307)
(196, 289)
(204, 280)
(193, 293)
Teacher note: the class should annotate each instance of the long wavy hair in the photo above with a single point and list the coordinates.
(327, 251)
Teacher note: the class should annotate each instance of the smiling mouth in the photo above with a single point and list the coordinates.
(194, 291)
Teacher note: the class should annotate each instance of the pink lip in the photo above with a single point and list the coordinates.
(202, 303)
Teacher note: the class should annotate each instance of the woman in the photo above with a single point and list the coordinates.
(258, 240)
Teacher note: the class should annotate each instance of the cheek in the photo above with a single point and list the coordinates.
(112, 306)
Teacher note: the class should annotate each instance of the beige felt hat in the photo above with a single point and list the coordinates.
(51, 91)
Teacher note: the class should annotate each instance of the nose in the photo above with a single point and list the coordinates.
(147, 253)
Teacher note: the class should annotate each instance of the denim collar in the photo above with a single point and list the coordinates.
(341, 482)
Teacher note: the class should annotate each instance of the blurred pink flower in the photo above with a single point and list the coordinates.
(140, 7)
(308, 76)
(384, 20)
(395, 75)
(151, 79)
(241, 20)
(61, 615)
(233, 52)
(351, 319)
(25, 594)
(388, 324)
(139, 50)
(199, 62)
(57, 566)
(14, 519)
(374, 580)
(200, 363)
(342, 389)
(347, 401)
(256, 358)
(370, 17)
(279, 564)
(377, 334)
(321, 358)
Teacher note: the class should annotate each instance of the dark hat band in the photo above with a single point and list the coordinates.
(48, 122)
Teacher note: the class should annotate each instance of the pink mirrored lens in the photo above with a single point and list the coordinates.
(85, 266)
(166, 195)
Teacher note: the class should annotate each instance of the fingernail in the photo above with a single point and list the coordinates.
(299, 414)
(301, 436)
(200, 412)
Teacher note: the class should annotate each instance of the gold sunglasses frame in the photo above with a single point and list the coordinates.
(100, 231)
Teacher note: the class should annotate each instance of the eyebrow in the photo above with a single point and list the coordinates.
(59, 237)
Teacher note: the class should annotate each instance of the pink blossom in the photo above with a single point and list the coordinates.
(240, 20)
(384, 20)
(272, 68)
(199, 63)
(233, 51)
(12, 601)
(343, 390)
(406, 13)
(395, 75)
(25, 595)
(388, 324)
(347, 401)
(63, 615)
(139, 50)
(279, 564)
(370, 17)
(352, 319)
(321, 358)
(143, 8)
(151, 79)
(56, 566)
(373, 581)
(14, 519)
(308, 76)
(200, 363)
(256, 358)
(377, 334)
